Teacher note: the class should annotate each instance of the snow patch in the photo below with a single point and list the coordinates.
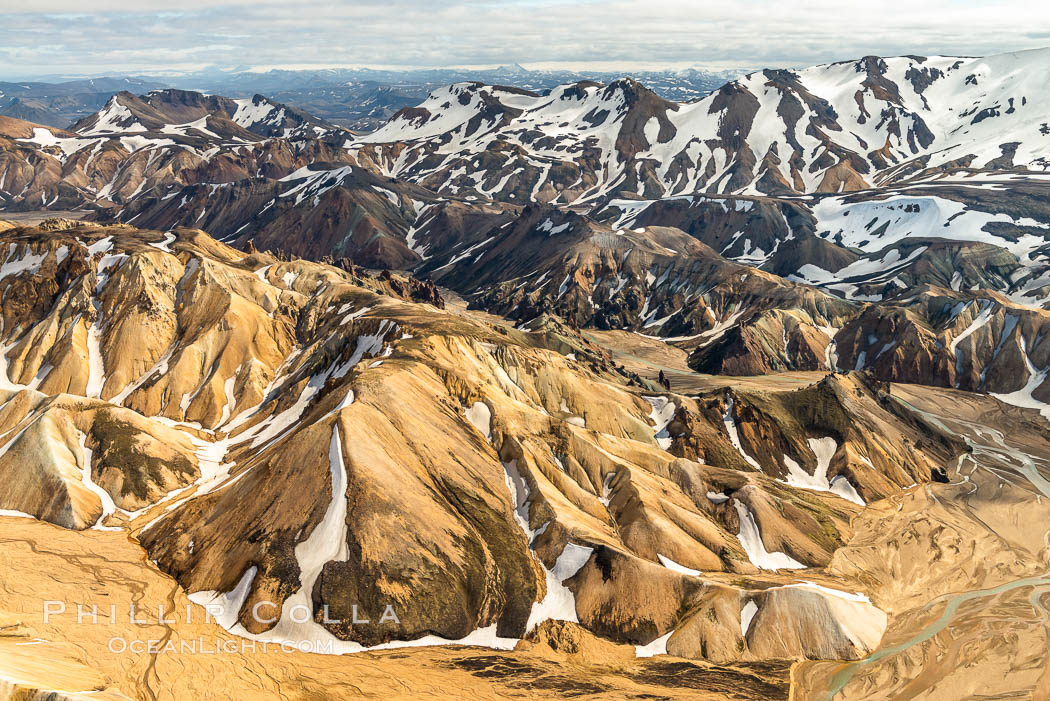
(824, 449)
(747, 614)
(751, 540)
(108, 507)
(734, 436)
(661, 415)
(656, 647)
(672, 565)
(480, 416)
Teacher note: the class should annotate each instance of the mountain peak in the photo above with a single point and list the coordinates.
(512, 69)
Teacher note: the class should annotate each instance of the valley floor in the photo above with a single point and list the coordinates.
(34, 217)
(648, 356)
(43, 562)
(963, 565)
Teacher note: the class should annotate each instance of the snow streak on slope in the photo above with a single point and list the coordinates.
(824, 449)
(662, 413)
(559, 604)
(1023, 397)
(108, 507)
(747, 613)
(97, 372)
(751, 540)
(734, 436)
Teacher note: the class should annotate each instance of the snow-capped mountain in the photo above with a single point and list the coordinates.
(182, 113)
(145, 145)
(832, 128)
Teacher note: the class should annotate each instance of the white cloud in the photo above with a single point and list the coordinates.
(61, 36)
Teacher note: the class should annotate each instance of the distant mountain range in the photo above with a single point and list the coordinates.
(360, 99)
(62, 103)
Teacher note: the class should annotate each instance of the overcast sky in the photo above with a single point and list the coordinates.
(44, 37)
